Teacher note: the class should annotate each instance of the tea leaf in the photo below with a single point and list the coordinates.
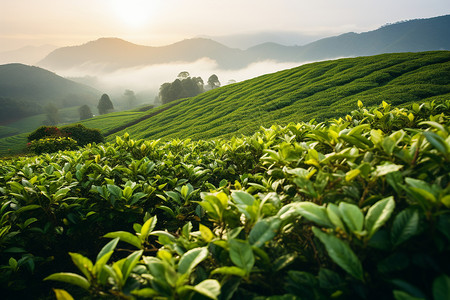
(62, 295)
(352, 216)
(241, 254)
(378, 214)
(406, 225)
(191, 259)
(125, 237)
(314, 213)
(71, 278)
(340, 253)
(263, 231)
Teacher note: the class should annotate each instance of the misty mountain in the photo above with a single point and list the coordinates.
(408, 36)
(27, 55)
(25, 90)
(247, 40)
(109, 54)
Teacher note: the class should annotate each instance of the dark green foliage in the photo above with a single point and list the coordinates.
(44, 131)
(85, 112)
(52, 144)
(343, 210)
(25, 90)
(213, 82)
(78, 132)
(16, 109)
(82, 134)
(105, 105)
(183, 87)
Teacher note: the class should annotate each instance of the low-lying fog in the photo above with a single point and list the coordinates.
(148, 79)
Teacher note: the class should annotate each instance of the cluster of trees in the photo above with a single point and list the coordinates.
(104, 106)
(12, 109)
(186, 86)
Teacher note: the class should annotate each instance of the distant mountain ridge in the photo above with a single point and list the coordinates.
(27, 55)
(109, 54)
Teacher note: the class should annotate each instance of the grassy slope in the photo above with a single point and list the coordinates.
(320, 90)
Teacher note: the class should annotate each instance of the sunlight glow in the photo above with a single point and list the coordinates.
(135, 13)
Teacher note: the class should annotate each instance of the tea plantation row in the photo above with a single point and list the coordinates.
(357, 208)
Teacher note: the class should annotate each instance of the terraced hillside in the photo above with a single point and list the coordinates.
(321, 90)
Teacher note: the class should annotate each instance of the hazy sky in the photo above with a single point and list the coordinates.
(160, 22)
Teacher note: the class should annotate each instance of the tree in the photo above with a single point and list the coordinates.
(183, 75)
(52, 113)
(105, 105)
(213, 82)
(85, 112)
(131, 98)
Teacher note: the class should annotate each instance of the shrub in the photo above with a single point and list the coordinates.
(82, 134)
(78, 132)
(44, 131)
(52, 144)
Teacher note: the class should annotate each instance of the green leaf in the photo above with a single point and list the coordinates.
(263, 231)
(236, 271)
(341, 253)
(209, 288)
(84, 264)
(441, 288)
(127, 192)
(191, 259)
(167, 210)
(114, 190)
(145, 293)
(240, 197)
(206, 233)
(385, 169)
(125, 237)
(62, 295)
(108, 248)
(61, 193)
(148, 227)
(350, 175)
(241, 254)
(129, 264)
(406, 225)
(71, 278)
(315, 213)
(335, 216)
(352, 216)
(421, 187)
(378, 214)
(437, 142)
(27, 208)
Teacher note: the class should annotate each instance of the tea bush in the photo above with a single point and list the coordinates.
(78, 132)
(52, 144)
(356, 208)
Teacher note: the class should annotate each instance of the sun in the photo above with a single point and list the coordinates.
(135, 13)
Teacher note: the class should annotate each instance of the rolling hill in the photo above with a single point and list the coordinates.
(24, 90)
(321, 91)
(109, 54)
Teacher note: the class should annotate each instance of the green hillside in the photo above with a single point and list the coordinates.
(321, 90)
